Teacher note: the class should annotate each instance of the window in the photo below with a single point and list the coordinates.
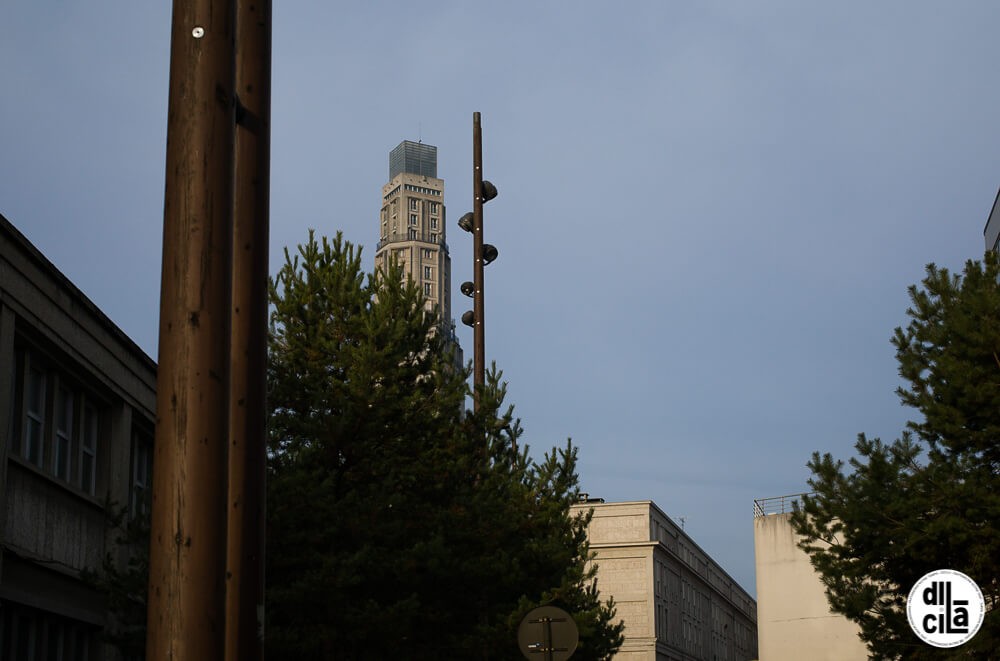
(427, 253)
(434, 223)
(427, 289)
(414, 204)
(88, 450)
(427, 272)
(434, 207)
(412, 234)
(434, 237)
(57, 424)
(413, 219)
(64, 433)
(30, 634)
(34, 431)
(142, 473)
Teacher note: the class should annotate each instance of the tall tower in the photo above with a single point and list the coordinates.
(412, 225)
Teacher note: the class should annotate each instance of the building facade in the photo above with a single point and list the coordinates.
(991, 233)
(412, 224)
(794, 617)
(77, 402)
(677, 603)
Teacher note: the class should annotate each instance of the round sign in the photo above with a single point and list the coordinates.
(547, 634)
(945, 608)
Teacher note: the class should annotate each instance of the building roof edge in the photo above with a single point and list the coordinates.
(46, 265)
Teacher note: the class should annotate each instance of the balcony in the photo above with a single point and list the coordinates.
(419, 237)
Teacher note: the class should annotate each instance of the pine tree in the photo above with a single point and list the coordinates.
(400, 526)
(931, 499)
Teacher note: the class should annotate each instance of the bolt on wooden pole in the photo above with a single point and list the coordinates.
(186, 612)
(248, 417)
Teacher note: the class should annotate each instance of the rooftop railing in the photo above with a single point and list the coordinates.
(775, 505)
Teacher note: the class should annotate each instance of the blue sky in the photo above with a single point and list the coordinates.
(708, 215)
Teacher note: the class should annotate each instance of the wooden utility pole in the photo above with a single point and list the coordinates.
(206, 553)
(248, 417)
(187, 545)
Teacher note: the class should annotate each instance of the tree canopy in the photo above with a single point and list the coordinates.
(399, 524)
(930, 499)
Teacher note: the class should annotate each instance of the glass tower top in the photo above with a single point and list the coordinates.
(413, 158)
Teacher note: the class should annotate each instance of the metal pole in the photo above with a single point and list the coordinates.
(479, 341)
(187, 545)
(247, 404)
(547, 621)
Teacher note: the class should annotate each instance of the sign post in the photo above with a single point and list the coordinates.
(548, 633)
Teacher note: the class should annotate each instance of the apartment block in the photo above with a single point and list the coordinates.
(677, 603)
(77, 410)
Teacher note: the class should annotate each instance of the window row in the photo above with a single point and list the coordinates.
(692, 637)
(27, 634)
(57, 423)
(421, 189)
(432, 207)
(415, 220)
(60, 427)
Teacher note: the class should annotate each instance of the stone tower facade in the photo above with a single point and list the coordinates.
(412, 227)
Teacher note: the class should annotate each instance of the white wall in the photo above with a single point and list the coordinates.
(794, 621)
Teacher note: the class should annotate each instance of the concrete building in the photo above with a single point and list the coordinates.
(77, 401)
(676, 602)
(991, 233)
(412, 229)
(794, 620)
(412, 223)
